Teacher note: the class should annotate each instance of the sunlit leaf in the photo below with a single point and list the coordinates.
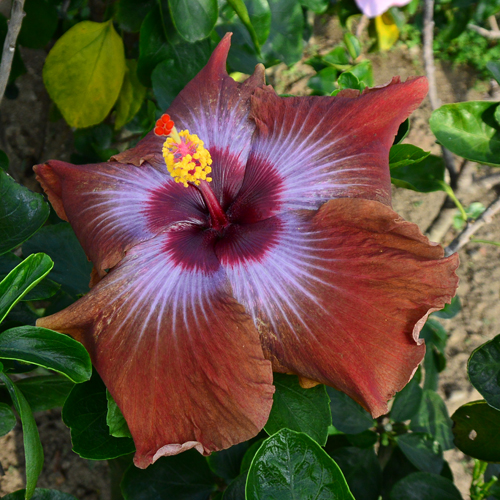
(132, 95)
(193, 19)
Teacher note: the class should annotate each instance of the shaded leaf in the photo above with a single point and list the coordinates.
(298, 409)
(323, 82)
(407, 401)
(403, 131)
(422, 451)
(114, 418)
(425, 176)
(4, 161)
(45, 392)
(43, 347)
(226, 463)
(83, 72)
(424, 486)
(291, 465)
(131, 13)
(39, 24)
(7, 419)
(22, 213)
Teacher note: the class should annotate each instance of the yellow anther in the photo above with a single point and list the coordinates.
(186, 158)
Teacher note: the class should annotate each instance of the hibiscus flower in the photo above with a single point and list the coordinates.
(374, 8)
(272, 247)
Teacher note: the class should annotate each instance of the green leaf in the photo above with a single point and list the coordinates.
(250, 453)
(338, 58)
(181, 477)
(43, 347)
(194, 19)
(285, 37)
(4, 161)
(173, 74)
(21, 280)
(22, 213)
(363, 72)
(422, 450)
(241, 10)
(39, 24)
(432, 418)
(323, 82)
(226, 463)
(494, 67)
(131, 13)
(484, 371)
(84, 71)
(292, 465)
(132, 95)
(260, 17)
(347, 415)
(353, 45)
(361, 470)
(45, 392)
(298, 409)
(84, 412)
(33, 451)
(114, 418)
(348, 80)
(476, 433)
(450, 310)
(317, 6)
(236, 489)
(40, 494)
(71, 267)
(469, 129)
(407, 401)
(403, 131)
(7, 419)
(425, 176)
(402, 155)
(424, 486)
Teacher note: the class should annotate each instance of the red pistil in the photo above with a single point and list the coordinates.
(218, 217)
(164, 125)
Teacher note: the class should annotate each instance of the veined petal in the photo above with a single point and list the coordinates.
(113, 207)
(342, 294)
(326, 147)
(216, 108)
(179, 355)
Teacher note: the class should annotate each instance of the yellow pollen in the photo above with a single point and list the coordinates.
(186, 158)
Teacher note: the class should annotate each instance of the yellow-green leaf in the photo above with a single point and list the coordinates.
(84, 72)
(131, 96)
(387, 31)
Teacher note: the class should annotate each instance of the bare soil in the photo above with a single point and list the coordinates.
(29, 137)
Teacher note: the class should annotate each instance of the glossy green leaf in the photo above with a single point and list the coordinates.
(7, 419)
(476, 433)
(85, 412)
(71, 267)
(484, 371)
(323, 82)
(260, 17)
(425, 176)
(22, 213)
(424, 486)
(45, 392)
(302, 410)
(338, 58)
(450, 310)
(363, 72)
(494, 67)
(407, 401)
(241, 10)
(4, 161)
(40, 494)
(33, 452)
(348, 80)
(432, 418)
(194, 19)
(132, 95)
(352, 44)
(292, 465)
(403, 131)
(285, 37)
(173, 74)
(469, 129)
(226, 463)
(114, 418)
(181, 477)
(402, 155)
(317, 6)
(43, 347)
(131, 13)
(21, 280)
(347, 415)
(422, 450)
(361, 470)
(84, 71)
(39, 24)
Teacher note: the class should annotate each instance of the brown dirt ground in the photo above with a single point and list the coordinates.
(28, 137)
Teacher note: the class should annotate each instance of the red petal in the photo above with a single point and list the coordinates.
(177, 352)
(342, 296)
(112, 207)
(329, 147)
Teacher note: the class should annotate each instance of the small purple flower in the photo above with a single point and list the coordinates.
(374, 8)
(271, 247)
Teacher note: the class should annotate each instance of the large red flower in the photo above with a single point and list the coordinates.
(290, 260)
